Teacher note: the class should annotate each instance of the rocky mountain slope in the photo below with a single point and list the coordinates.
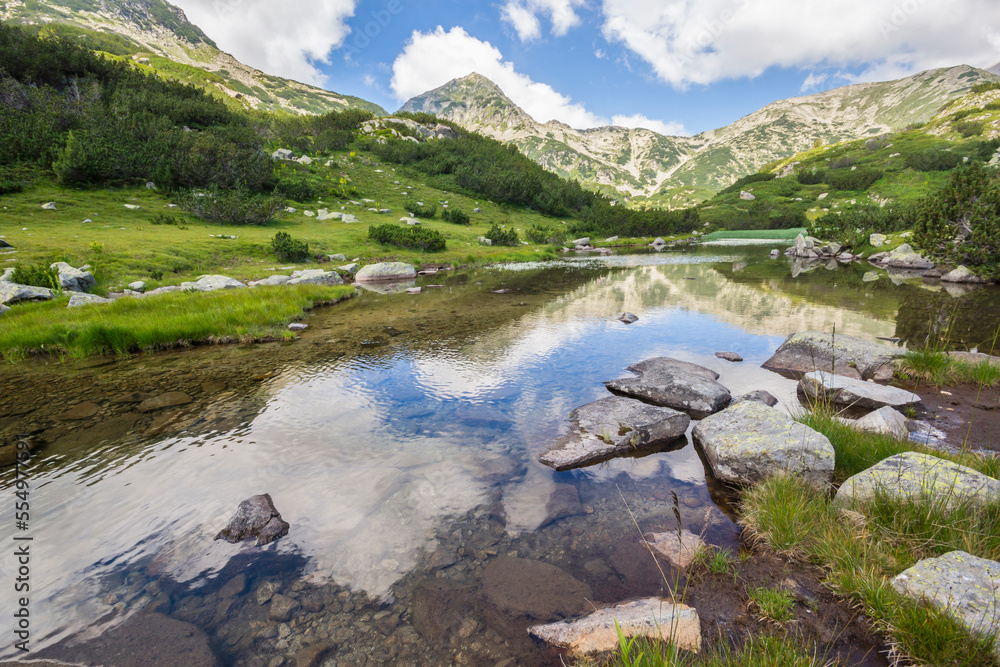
(995, 68)
(159, 36)
(641, 165)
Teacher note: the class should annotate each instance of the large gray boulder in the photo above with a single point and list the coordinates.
(12, 293)
(840, 390)
(316, 277)
(255, 517)
(960, 584)
(282, 154)
(8, 275)
(597, 632)
(73, 279)
(905, 257)
(962, 274)
(914, 476)
(613, 426)
(78, 300)
(386, 271)
(750, 441)
(844, 355)
(674, 384)
(212, 284)
(270, 281)
(351, 268)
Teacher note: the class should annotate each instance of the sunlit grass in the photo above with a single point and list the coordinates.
(757, 651)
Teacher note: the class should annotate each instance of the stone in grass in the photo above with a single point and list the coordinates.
(884, 420)
(680, 550)
(841, 390)
(12, 293)
(729, 356)
(674, 384)
(298, 326)
(255, 517)
(960, 584)
(844, 355)
(4, 309)
(916, 476)
(315, 277)
(212, 284)
(649, 617)
(82, 299)
(628, 318)
(270, 281)
(613, 426)
(750, 441)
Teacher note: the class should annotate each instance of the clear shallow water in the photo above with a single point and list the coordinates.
(399, 417)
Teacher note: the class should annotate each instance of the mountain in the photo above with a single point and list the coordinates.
(642, 165)
(158, 36)
(995, 68)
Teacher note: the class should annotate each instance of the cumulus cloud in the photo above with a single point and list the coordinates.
(711, 40)
(275, 39)
(813, 81)
(672, 128)
(523, 15)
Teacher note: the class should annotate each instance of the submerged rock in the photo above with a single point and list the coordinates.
(649, 617)
(611, 427)
(674, 384)
(678, 549)
(840, 390)
(255, 517)
(534, 589)
(905, 257)
(386, 271)
(845, 355)
(961, 585)
(912, 476)
(750, 441)
(168, 400)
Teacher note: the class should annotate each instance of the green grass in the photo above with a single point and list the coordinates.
(861, 555)
(132, 324)
(777, 234)
(772, 604)
(938, 368)
(756, 651)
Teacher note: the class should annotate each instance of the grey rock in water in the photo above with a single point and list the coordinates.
(912, 475)
(168, 400)
(962, 585)
(73, 279)
(962, 274)
(597, 632)
(674, 384)
(81, 299)
(386, 271)
(315, 277)
(840, 390)
(658, 242)
(531, 588)
(905, 257)
(845, 355)
(613, 426)
(276, 279)
(747, 442)
(679, 549)
(729, 356)
(628, 318)
(12, 293)
(255, 517)
(298, 326)
(759, 395)
(886, 421)
(212, 284)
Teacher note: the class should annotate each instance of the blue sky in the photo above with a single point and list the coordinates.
(675, 66)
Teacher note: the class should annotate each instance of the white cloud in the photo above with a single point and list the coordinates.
(272, 38)
(523, 16)
(672, 128)
(813, 81)
(600, 54)
(710, 40)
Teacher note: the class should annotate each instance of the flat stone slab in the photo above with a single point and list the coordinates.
(678, 550)
(975, 358)
(750, 441)
(613, 426)
(845, 355)
(674, 384)
(12, 293)
(315, 277)
(964, 586)
(276, 279)
(386, 271)
(649, 617)
(168, 400)
(212, 284)
(842, 390)
(912, 475)
(81, 299)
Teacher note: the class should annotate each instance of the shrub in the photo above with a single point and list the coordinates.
(933, 159)
(852, 227)
(235, 207)
(542, 234)
(985, 87)
(287, 249)
(810, 176)
(502, 235)
(986, 149)
(860, 178)
(455, 215)
(747, 180)
(422, 211)
(407, 237)
(297, 187)
(37, 275)
(970, 128)
(845, 162)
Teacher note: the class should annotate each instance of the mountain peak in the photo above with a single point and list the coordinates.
(994, 68)
(472, 101)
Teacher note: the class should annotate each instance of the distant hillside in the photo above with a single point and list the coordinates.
(641, 165)
(994, 68)
(159, 36)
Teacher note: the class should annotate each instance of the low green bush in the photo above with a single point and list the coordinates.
(407, 237)
(455, 215)
(36, 275)
(237, 206)
(860, 178)
(810, 176)
(287, 249)
(421, 210)
(970, 128)
(502, 235)
(933, 159)
(297, 187)
(747, 180)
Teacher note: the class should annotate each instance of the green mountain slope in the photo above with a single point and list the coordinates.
(159, 36)
(643, 166)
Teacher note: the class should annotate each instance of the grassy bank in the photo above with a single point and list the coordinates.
(938, 368)
(131, 325)
(777, 234)
(759, 651)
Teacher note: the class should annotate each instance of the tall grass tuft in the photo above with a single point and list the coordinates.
(757, 651)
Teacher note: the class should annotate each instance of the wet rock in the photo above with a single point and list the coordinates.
(386, 271)
(440, 606)
(845, 355)
(312, 656)
(961, 585)
(84, 410)
(884, 420)
(759, 395)
(913, 475)
(534, 589)
(212, 284)
(255, 517)
(628, 318)
(962, 274)
(298, 326)
(729, 356)
(612, 427)
(840, 390)
(282, 608)
(77, 300)
(167, 400)
(316, 277)
(564, 501)
(266, 591)
(650, 617)
(674, 384)
(750, 441)
(233, 587)
(678, 550)
(905, 257)
(871, 276)
(312, 605)
(213, 386)
(12, 293)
